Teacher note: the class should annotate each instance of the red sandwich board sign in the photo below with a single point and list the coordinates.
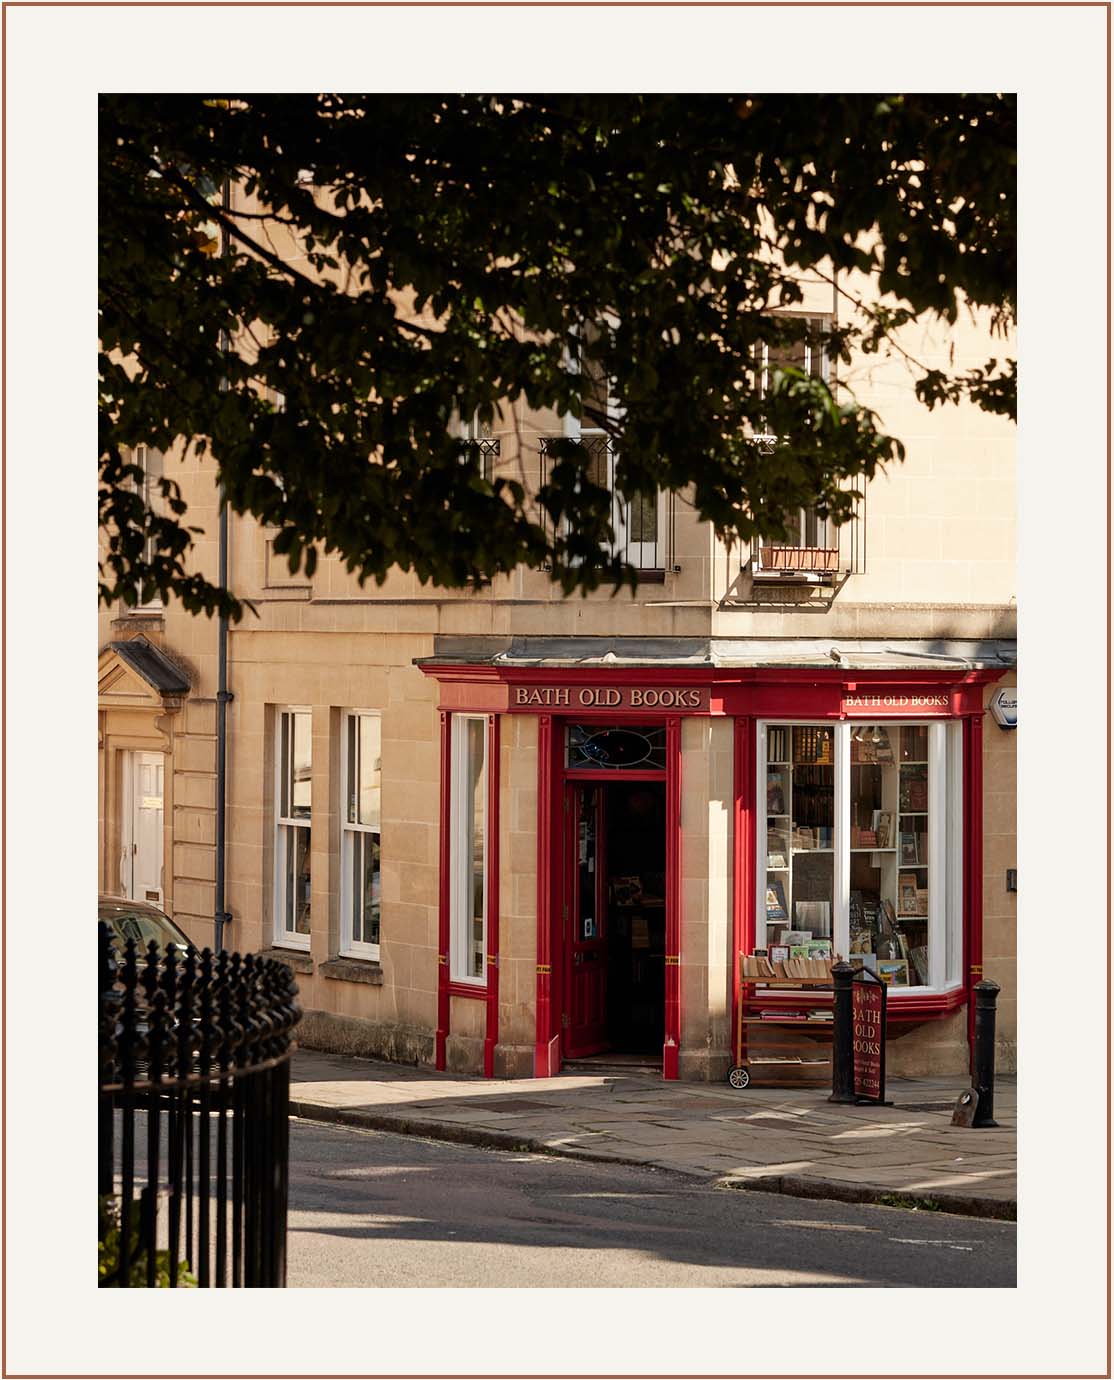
(868, 1030)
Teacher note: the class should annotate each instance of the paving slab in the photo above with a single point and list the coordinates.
(784, 1140)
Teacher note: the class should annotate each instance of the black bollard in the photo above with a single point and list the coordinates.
(986, 999)
(843, 1054)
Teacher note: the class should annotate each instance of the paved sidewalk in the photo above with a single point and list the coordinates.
(776, 1140)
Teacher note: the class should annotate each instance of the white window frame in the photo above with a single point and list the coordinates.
(643, 555)
(284, 825)
(351, 947)
(826, 535)
(460, 852)
(141, 456)
(945, 842)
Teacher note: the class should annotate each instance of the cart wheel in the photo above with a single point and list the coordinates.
(739, 1077)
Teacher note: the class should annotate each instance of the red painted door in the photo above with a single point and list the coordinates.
(585, 922)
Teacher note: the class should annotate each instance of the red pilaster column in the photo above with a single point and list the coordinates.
(494, 773)
(745, 843)
(443, 895)
(973, 868)
(547, 1052)
(672, 1048)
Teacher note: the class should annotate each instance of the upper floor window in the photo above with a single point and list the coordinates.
(641, 523)
(293, 781)
(806, 352)
(152, 463)
(478, 439)
(361, 824)
(810, 546)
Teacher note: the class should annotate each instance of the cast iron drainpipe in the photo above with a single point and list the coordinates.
(221, 917)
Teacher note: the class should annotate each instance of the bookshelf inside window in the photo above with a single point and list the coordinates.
(888, 865)
(800, 798)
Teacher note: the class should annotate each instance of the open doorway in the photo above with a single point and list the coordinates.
(615, 919)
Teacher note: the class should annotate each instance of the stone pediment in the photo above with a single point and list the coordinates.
(138, 675)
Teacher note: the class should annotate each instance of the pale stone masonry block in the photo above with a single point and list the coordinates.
(407, 922)
(419, 884)
(398, 962)
(196, 754)
(194, 862)
(195, 791)
(194, 826)
(390, 880)
(193, 897)
(524, 810)
(522, 854)
(200, 717)
(406, 760)
(524, 894)
(467, 1017)
(405, 800)
(409, 842)
(524, 771)
(411, 721)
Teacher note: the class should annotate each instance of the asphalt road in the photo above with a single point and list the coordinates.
(372, 1210)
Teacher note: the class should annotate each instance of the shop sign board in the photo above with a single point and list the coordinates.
(918, 703)
(532, 698)
(868, 1028)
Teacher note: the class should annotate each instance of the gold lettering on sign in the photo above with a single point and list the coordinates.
(895, 701)
(546, 695)
(665, 699)
(605, 697)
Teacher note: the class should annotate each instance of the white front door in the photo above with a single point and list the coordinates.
(141, 827)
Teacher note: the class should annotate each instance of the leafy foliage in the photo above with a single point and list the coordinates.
(108, 1252)
(392, 262)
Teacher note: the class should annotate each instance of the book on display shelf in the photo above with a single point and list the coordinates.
(776, 908)
(816, 915)
(907, 903)
(777, 745)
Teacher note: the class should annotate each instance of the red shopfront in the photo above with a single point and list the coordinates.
(858, 748)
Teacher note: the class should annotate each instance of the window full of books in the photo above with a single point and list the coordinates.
(860, 847)
(888, 859)
(800, 803)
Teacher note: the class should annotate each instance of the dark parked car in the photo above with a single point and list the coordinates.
(141, 921)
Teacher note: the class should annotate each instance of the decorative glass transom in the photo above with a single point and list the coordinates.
(626, 748)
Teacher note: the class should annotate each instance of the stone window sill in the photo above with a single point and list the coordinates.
(353, 970)
(300, 962)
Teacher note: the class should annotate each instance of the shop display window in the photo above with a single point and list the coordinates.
(468, 850)
(861, 853)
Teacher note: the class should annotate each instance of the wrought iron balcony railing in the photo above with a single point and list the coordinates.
(811, 566)
(644, 528)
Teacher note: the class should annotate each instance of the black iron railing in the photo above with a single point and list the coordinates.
(192, 1135)
(643, 526)
(811, 566)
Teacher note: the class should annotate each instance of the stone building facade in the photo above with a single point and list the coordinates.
(495, 830)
